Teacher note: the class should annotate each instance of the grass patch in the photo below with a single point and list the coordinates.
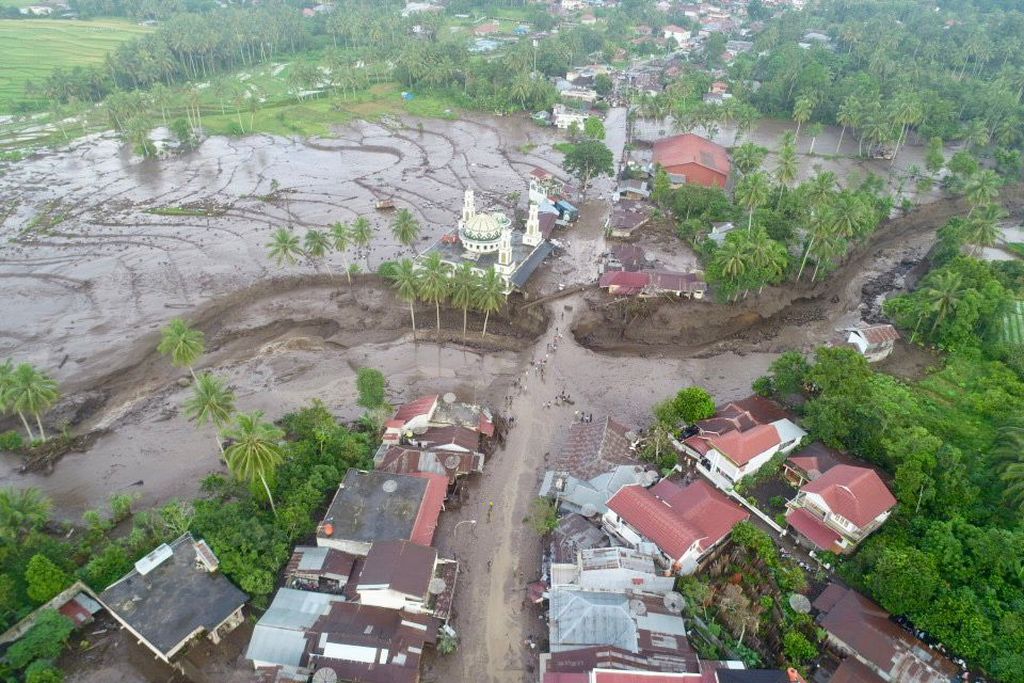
(1013, 324)
(1016, 248)
(563, 147)
(185, 211)
(32, 48)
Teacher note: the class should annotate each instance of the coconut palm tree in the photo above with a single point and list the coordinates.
(406, 228)
(943, 295)
(983, 227)
(211, 403)
(981, 188)
(802, 110)
(819, 228)
(464, 288)
(768, 257)
(1008, 459)
(786, 169)
(6, 397)
(22, 510)
(256, 451)
(731, 259)
(751, 192)
(406, 283)
(748, 157)
(434, 284)
(284, 247)
(341, 236)
(33, 393)
(848, 116)
(182, 343)
(362, 236)
(317, 246)
(490, 295)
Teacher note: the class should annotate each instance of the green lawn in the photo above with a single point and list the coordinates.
(31, 48)
(1013, 325)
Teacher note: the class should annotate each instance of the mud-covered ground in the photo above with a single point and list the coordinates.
(87, 278)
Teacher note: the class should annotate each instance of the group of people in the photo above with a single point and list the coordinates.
(584, 417)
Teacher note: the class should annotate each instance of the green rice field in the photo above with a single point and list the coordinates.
(1013, 325)
(31, 48)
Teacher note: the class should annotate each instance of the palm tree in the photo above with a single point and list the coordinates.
(732, 258)
(490, 296)
(464, 288)
(943, 295)
(434, 284)
(362, 236)
(802, 109)
(284, 247)
(6, 396)
(748, 157)
(847, 116)
(182, 343)
(1008, 458)
(341, 236)
(22, 510)
(256, 451)
(406, 228)
(786, 170)
(981, 188)
(211, 403)
(317, 246)
(406, 283)
(751, 192)
(819, 229)
(767, 256)
(983, 227)
(32, 392)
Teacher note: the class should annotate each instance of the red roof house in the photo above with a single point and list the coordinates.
(694, 158)
(683, 522)
(841, 508)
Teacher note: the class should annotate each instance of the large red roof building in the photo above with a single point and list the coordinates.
(693, 158)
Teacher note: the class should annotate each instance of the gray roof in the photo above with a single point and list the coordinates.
(574, 533)
(375, 506)
(577, 493)
(312, 557)
(581, 618)
(525, 270)
(280, 635)
(174, 600)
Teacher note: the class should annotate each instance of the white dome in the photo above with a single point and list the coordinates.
(482, 227)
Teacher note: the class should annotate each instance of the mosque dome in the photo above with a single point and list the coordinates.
(482, 227)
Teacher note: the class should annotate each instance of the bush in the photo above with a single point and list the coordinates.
(543, 515)
(42, 671)
(370, 384)
(45, 640)
(11, 441)
(797, 648)
(44, 578)
(121, 505)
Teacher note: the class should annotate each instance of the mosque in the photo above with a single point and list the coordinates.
(487, 240)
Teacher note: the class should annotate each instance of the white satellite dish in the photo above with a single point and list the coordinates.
(588, 510)
(448, 398)
(650, 478)
(674, 601)
(325, 675)
(437, 586)
(800, 603)
(390, 486)
(637, 607)
(452, 461)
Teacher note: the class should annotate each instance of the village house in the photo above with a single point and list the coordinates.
(689, 158)
(626, 217)
(676, 33)
(401, 575)
(486, 241)
(324, 570)
(617, 570)
(633, 188)
(719, 231)
(742, 437)
(652, 283)
(864, 631)
(683, 523)
(381, 506)
(595, 448)
(810, 462)
(173, 595)
(589, 497)
(588, 95)
(486, 29)
(451, 464)
(574, 534)
(874, 342)
(625, 257)
(839, 509)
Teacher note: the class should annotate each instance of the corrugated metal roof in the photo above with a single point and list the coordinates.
(312, 558)
(297, 610)
(277, 646)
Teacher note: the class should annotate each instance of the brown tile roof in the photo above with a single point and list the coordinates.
(815, 459)
(856, 493)
(879, 334)
(421, 406)
(763, 410)
(815, 530)
(866, 628)
(430, 508)
(691, 149)
(402, 566)
(451, 435)
(677, 282)
(852, 671)
(451, 464)
(674, 517)
(595, 447)
(742, 447)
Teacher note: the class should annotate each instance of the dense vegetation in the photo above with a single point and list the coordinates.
(951, 557)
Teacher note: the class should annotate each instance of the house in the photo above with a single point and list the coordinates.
(410, 417)
(633, 188)
(719, 231)
(694, 158)
(742, 437)
(451, 438)
(407, 576)
(626, 257)
(588, 95)
(450, 464)
(486, 29)
(874, 342)
(381, 506)
(593, 448)
(683, 523)
(564, 117)
(618, 570)
(810, 462)
(626, 217)
(325, 570)
(303, 633)
(839, 509)
(640, 625)
(173, 595)
(860, 628)
(418, 416)
(676, 33)
(544, 186)
(573, 534)
(651, 283)
(589, 496)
